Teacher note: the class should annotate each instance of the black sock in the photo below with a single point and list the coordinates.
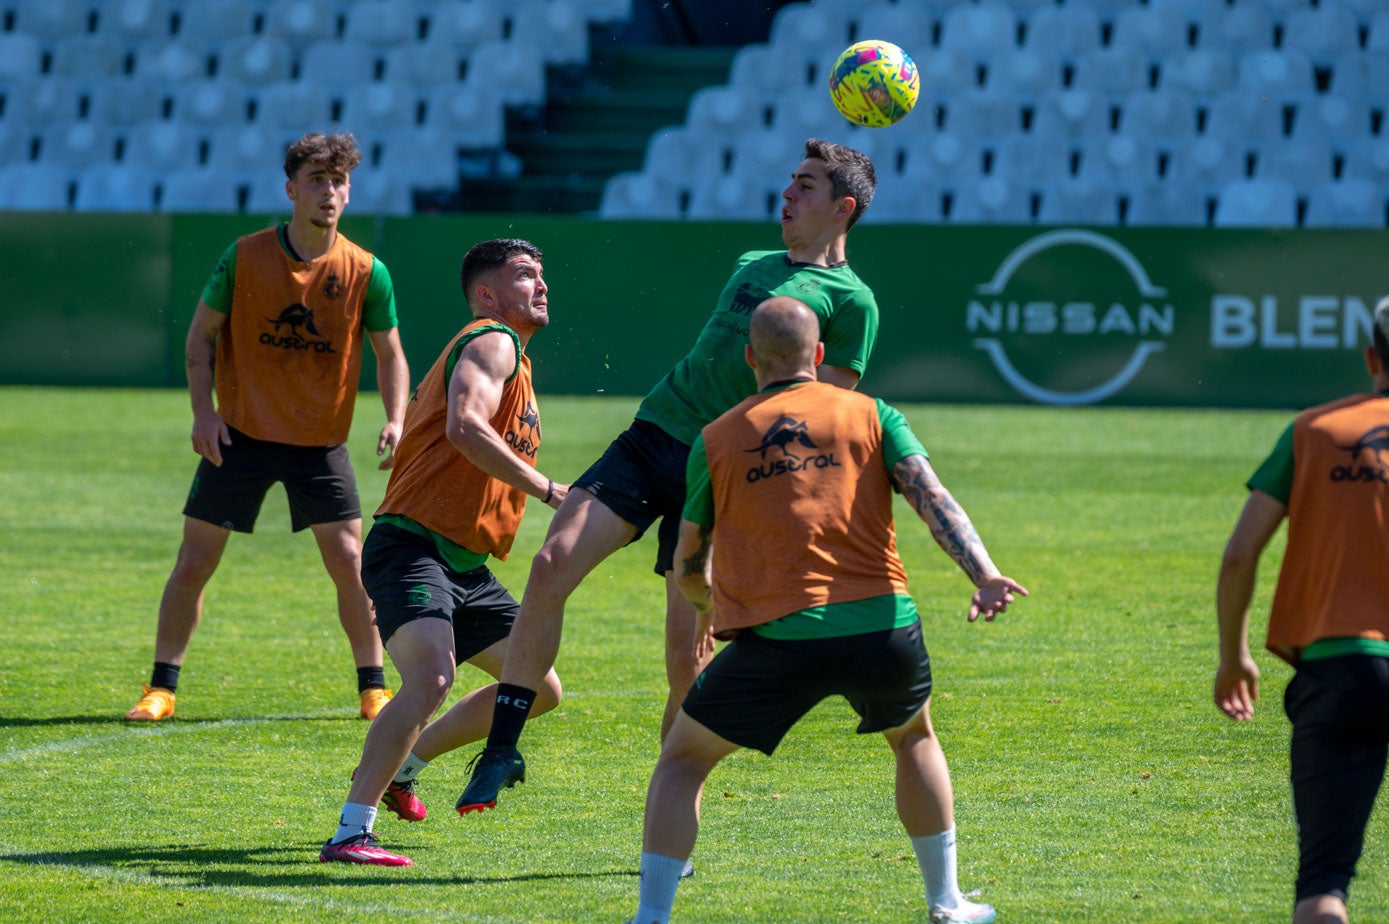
(165, 675)
(509, 715)
(369, 677)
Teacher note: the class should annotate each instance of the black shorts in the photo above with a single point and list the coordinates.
(407, 580)
(641, 477)
(756, 688)
(1339, 708)
(318, 480)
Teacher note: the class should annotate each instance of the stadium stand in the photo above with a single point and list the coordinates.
(1094, 111)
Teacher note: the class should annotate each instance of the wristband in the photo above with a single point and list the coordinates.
(549, 493)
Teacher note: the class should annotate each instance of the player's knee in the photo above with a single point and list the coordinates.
(550, 573)
(194, 567)
(429, 685)
(344, 566)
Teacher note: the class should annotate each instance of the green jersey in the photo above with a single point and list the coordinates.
(713, 376)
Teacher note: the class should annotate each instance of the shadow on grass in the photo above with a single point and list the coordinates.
(14, 722)
(280, 867)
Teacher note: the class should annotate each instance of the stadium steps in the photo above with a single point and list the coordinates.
(595, 127)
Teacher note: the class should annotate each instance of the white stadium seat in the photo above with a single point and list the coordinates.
(172, 62)
(1257, 203)
(295, 105)
(1277, 74)
(1155, 32)
(77, 144)
(381, 22)
(991, 200)
(515, 69)
(115, 188)
(125, 100)
(137, 19)
(471, 113)
(300, 22)
(209, 23)
(1347, 203)
(987, 27)
(87, 57)
(198, 189)
(213, 101)
(1326, 34)
(379, 107)
(35, 187)
(1070, 30)
(163, 145)
(634, 194)
(554, 27)
(465, 23)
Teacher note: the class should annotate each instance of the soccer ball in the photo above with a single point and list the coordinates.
(874, 83)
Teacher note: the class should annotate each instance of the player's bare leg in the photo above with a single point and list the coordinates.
(422, 652)
(688, 755)
(340, 545)
(583, 532)
(925, 797)
(180, 611)
(470, 718)
(926, 807)
(682, 663)
(181, 606)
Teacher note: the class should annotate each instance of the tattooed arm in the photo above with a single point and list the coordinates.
(210, 432)
(951, 528)
(692, 557)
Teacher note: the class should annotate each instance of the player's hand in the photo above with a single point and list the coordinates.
(386, 444)
(1237, 687)
(557, 495)
(210, 434)
(993, 596)
(704, 641)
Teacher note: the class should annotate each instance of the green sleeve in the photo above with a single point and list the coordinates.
(471, 335)
(699, 489)
(898, 439)
(379, 311)
(217, 292)
(1275, 476)
(852, 332)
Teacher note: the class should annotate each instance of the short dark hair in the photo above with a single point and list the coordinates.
(336, 152)
(851, 173)
(490, 255)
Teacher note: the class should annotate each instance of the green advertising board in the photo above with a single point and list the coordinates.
(1017, 314)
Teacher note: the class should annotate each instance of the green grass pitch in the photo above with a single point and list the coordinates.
(1094, 779)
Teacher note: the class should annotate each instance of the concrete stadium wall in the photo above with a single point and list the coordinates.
(1122, 316)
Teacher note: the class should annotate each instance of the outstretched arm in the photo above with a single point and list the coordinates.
(1237, 676)
(955, 534)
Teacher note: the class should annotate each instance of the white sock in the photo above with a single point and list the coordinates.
(936, 855)
(356, 819)
(660, 877)
(410, 769)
